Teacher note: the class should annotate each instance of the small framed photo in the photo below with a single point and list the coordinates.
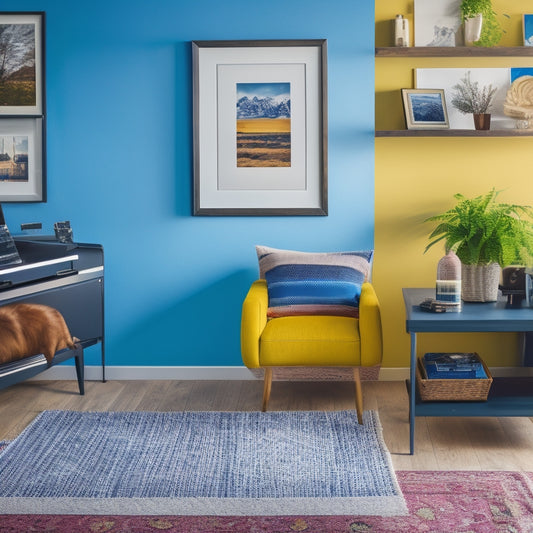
(22, 169)
(22, 63)
(528, 30)
(425, 109)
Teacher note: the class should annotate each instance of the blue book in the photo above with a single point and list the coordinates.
(453, 361)
(453, 366)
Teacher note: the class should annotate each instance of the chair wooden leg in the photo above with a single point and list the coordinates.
(358, 395)
(266, 388)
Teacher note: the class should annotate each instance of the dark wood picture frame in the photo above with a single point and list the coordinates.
(23, 107)
(228, 183)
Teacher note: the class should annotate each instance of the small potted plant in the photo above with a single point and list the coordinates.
(470, 98)
(479, 13)
(486, 235)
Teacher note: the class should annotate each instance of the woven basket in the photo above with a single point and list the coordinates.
(449, 390)
(479, 283)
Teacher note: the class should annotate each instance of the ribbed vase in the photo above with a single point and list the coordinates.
(448, 287)
(479, 283)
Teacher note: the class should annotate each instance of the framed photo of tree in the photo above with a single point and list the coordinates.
(22, 107)
(21, 63)
(260, 127)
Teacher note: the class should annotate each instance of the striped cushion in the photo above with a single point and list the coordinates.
(303, 283)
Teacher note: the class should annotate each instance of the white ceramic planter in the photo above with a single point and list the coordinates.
(473, 29)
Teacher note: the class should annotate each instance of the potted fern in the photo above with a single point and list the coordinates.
(479, 13)
(470, 98)
(486, 235)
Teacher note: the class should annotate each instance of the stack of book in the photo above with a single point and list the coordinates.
(453, 366)
(440, 306)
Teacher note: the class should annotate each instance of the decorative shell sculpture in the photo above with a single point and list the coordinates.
(519, 100)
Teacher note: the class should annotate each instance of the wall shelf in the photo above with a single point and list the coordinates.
(454, 133)
(454, 51)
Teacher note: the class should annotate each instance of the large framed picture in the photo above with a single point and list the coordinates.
(425, 109)
(22, 166)
(21, 63)
(260, 127)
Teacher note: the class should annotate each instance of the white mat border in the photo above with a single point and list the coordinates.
(361, 506)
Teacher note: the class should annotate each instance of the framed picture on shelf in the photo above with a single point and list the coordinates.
(260, 127)
(425, 109)
(528, 29)
(22, 175)
(22, 63)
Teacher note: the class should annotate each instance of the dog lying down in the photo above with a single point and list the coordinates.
(31, 329)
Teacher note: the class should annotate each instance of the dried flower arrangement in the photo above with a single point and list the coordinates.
(469, 98)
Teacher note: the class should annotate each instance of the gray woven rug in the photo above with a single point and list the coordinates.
(200, 463)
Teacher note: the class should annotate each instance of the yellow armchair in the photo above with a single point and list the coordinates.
(320, 341)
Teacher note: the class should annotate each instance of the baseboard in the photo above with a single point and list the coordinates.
(123, 373)
(94, 373)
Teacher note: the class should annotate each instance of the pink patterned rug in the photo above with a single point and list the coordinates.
(458, 502)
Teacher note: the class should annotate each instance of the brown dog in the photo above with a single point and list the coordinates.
(30, 329)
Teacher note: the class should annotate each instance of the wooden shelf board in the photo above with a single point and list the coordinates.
(454, 51)
(454, 133)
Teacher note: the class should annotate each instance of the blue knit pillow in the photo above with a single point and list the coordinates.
(303, 283)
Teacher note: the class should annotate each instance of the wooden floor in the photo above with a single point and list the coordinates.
(441, 443)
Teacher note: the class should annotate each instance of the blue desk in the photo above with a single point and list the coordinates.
(508, 397)
(66, 276)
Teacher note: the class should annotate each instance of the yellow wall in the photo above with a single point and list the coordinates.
(417, 177)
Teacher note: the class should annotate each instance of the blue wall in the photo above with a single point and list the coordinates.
(119, 152)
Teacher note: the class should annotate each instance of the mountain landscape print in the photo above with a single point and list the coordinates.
(263, 113)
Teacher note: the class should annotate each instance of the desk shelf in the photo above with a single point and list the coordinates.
(507, 397)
